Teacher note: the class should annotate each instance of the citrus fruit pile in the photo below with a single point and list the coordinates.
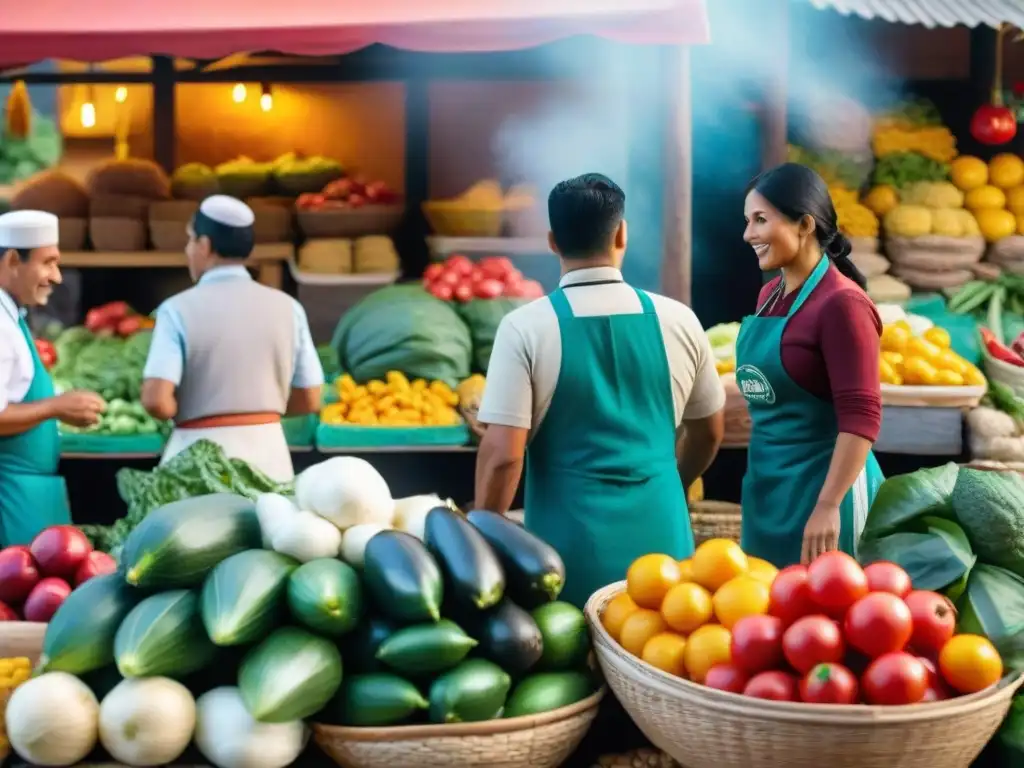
(925, 360)
(994, 191)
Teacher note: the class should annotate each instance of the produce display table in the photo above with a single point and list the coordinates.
(921, 431)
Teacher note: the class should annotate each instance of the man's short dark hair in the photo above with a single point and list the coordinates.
(584, 214)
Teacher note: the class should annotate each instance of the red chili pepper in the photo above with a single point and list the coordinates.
(1000, 351)
(47, 353)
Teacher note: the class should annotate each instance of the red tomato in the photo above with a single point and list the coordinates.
(837, 582)
(791, 595)
(992, 124)
(18, 574)
(8, 614)
(877, 624)
(489, 289)
(513, 275)
(934, 620)
(937, 689)
(894, 679)
(757, 643)
(442, 290)
(459, 264)
(812, 640)
(531, 289)
(726, 677)
(463, 291)
(829, 684)
(450, 278)
(96, 563)
(775, 686)
(884, 576)
(432, 272)
(496, 266)
(129, 325)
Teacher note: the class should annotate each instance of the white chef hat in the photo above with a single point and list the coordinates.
(229, 225)
(25, 230)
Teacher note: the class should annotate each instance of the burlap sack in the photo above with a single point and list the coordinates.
(864, 244)
(985, 271)
(870, 264)
(886, 288)
(935, 243)
(932, 253)
(923, 280)
(1009, 250)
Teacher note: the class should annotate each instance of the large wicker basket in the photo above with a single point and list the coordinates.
(449, 218)
(1005, 373)
(356, 222)
(715, 520)
(22, 638)
(536, 741)
(705, 728)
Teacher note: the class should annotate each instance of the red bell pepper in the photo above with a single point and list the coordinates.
(1000, 351)
(107, 316)
(47, 353)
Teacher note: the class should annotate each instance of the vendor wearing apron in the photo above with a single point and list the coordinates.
(807, 365)
(600, 379)
(229, 356)
(32, 495)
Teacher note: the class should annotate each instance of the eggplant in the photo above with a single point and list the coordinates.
(472, 572)
(507, 635)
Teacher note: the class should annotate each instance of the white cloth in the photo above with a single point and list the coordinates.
(262, 446)
(28, 229)
(16, 364)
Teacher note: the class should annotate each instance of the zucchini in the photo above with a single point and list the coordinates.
(475, 690)
(508, 636)
(289, 676)
(375, 701)
(80, 635)
(534, 571)
(426, 648)
(402, 577)
(177, 545)
(243, 598)
(566, 638)
(326, 596)
(472, 572)
(359, 648)
(163, 636)
(547, 691)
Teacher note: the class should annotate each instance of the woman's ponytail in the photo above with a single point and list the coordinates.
(838, 248)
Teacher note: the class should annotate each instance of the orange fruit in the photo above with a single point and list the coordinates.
(639, 627)
(665, 651)
(708, 646)
(762, 570)
(619, 608)
(649, 578)
(970, 663)
(686, 607)
(686, 570)
(739, 597)
(716, 561)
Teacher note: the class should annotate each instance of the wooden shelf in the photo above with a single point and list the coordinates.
(497, 246)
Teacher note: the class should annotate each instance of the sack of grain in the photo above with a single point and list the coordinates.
(870, 264)
(138, 178)
(864, 244)
(327, 256)
(934, 253)
(1009, 250)
(925, 280)
(54, 192)
(886, 288)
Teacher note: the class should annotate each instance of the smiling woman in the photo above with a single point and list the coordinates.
(807, 365)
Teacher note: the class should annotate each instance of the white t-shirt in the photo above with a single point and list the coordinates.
(527, 353)
(17, 366)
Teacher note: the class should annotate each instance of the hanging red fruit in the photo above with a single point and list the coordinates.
(994, 124)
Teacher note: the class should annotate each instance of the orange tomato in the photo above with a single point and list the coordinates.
(686, 570)
(739, 597)
(708, 646)
(638, 628)
(619, 608)
(716, 561)
(665, 651)
(762, 570)
(970, 663)
(686, 607)
(650, 577)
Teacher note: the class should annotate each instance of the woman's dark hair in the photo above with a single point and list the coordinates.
(797, 191)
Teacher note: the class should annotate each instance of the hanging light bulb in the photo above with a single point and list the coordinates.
(121, 94)
(87, 113)
(266, 99)
(238, 93)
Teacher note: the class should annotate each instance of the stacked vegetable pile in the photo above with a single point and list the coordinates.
(995, 193)
(911, 144)
(924, 359)
(35, 579)
(995, 429)
(459, 279)
(229, 623)
(394, 401)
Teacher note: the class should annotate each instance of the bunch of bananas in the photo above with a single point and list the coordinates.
(934, 141)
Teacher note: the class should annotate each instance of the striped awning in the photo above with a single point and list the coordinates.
(932, 13)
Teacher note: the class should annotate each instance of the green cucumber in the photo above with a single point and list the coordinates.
(566, 638)
(402, 577)
(289, 676)
(80, 635)
(534, 571)
(359, 647)
(375, 701)
(546, 691)
(326, 596)
(243, 598)
(178, 544)
(508, 636)
(426, 648)
(475, 690)
(472, 573)
(163, 636)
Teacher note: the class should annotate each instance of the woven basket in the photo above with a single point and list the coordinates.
(118, 234)
(715, 520)
(272, 223)
(535, 741)
(452, 219)
(296, 184)
(73, 234)
(22, 638)
(705, 728)
(372, 220)
(1005, 373)
(119, 207)
(168, 236)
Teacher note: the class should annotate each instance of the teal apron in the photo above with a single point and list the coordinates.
(32, 495)
(602, 483)
(792, 438)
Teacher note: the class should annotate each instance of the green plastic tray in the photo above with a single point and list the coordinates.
(300, 431)
(82, 443)
(334, 437)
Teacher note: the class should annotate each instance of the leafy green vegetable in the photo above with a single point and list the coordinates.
(107, 365)
(993, 606)
(482, 316)
(990, 507)
(905, 499)
(902, 168)
(938, 557)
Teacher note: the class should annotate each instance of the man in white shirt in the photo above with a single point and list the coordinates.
(610, 396)
(32, 495)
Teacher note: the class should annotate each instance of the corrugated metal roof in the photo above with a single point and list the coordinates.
(932, 13)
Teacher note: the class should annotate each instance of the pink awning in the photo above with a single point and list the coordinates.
(96, 30)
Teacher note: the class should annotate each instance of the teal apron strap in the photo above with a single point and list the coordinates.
(810, 284)
(645, 302)
(561, 304)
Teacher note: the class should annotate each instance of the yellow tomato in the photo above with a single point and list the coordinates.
(951, 361)
(895, 338)
(639, 627)
(918, 347)
(620, 608)
(716, 561)
(970, 663)
(974, 377)
(708, 646)
(687, 607)
(918, 371)
(895, 359)
(948, 379)
(686, 570)
(649, 578)
(740, 597)
(937, 336)
(665, 651)
(887, 374)
(968, 172)
(762, 570)
(1006, 171)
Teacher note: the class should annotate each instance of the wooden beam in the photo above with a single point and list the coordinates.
(774, 113)
(677, 191)
(165, 135)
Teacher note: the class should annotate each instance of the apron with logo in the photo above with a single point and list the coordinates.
(32, 495)
(602, 483)
(792, 438)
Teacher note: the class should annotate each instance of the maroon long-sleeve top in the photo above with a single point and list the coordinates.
(830, 348)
